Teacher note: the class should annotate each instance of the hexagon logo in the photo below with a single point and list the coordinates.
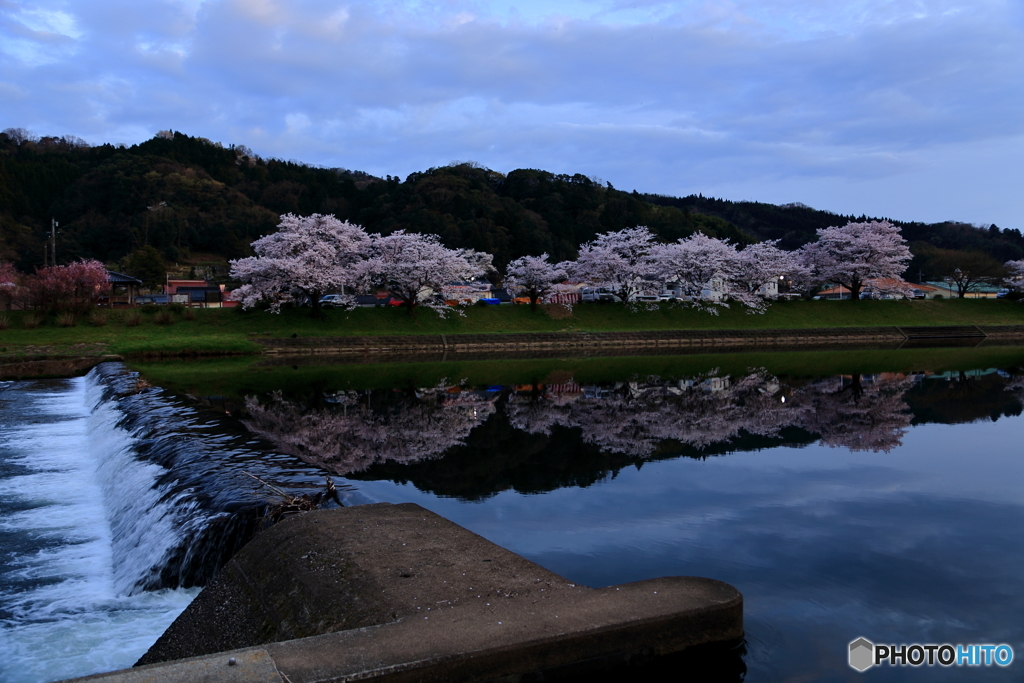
(862, 654)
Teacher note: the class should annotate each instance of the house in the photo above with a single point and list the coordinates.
(198, 293)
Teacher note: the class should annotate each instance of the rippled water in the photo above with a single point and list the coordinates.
(115, 502)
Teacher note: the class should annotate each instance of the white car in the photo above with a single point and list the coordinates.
(330, 300)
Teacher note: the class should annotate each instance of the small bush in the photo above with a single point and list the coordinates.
(97, 318)
(133, 319)
(67, 319)
(149, 309)
(164, 318)
(176, 308)
(188, 314)
(5, 321)
(32, 321)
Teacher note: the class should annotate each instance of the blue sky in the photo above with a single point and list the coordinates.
(909, 109)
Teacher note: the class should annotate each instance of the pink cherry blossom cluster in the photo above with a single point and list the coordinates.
(314, 255)
(72, 288)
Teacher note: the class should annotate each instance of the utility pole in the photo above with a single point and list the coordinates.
(53, 242)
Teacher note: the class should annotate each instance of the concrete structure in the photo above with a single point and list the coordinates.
(397, 593)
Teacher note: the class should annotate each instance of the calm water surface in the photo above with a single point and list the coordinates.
(886, 505)
(840, 506)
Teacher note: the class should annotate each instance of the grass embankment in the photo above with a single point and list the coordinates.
(224, 332)
(237, 377)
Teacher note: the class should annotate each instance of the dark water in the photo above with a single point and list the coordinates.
(884, 505)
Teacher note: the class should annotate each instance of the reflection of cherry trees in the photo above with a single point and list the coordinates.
(351, 435)
(348, 432)
(635, 418)
(862, 414)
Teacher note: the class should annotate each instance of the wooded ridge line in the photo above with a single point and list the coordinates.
(199, 202)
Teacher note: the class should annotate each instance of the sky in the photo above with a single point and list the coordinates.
(906, 109)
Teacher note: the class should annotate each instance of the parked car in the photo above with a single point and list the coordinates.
(331, 300)
(598, 294)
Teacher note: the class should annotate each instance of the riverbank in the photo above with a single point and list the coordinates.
(225, 332)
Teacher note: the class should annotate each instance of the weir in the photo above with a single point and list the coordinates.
(177, 498)
(115, 499)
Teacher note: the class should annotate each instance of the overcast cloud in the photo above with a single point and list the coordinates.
(911, 109)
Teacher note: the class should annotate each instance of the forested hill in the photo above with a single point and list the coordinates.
(184, 195)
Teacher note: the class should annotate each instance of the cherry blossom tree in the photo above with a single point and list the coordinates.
(619, 261)
(764, 262)
(75, 287)
(416, 268)
(1014, 275)
(533, 276)
(699, 263)
(308, 256)
(856, 252)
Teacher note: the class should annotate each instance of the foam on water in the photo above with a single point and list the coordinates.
(83, 525)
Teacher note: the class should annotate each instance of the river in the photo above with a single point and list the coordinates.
(881, 498)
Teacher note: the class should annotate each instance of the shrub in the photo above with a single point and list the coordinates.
(5, 321)
(97, 318)
(176, 308)
(32, 321)
(67, 319)
(164, 318)
(133, 319)
(149, 309)
(188, 314)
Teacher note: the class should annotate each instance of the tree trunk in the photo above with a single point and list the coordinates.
(855, 288)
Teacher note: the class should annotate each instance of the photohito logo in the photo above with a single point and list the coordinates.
(864, 654)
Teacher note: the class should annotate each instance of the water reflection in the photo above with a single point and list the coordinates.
(575, 434)
(348, 431)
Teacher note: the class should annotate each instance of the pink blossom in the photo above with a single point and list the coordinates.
(76, 287)
(416, 268)
(619, 261)
(533, 276)
(856, 252)
(306, 258)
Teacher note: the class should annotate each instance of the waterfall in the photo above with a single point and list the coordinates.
(117, 500)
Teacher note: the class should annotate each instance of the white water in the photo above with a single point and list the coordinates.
(68, 599)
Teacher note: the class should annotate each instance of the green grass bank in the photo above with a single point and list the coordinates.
(213, 332)
(241, 376)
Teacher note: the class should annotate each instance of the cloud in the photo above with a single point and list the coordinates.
(705, 94)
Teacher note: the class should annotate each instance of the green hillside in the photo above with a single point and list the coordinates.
(196, 201)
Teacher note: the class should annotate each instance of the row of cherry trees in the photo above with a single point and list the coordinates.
(632, 262)
(315, 255)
